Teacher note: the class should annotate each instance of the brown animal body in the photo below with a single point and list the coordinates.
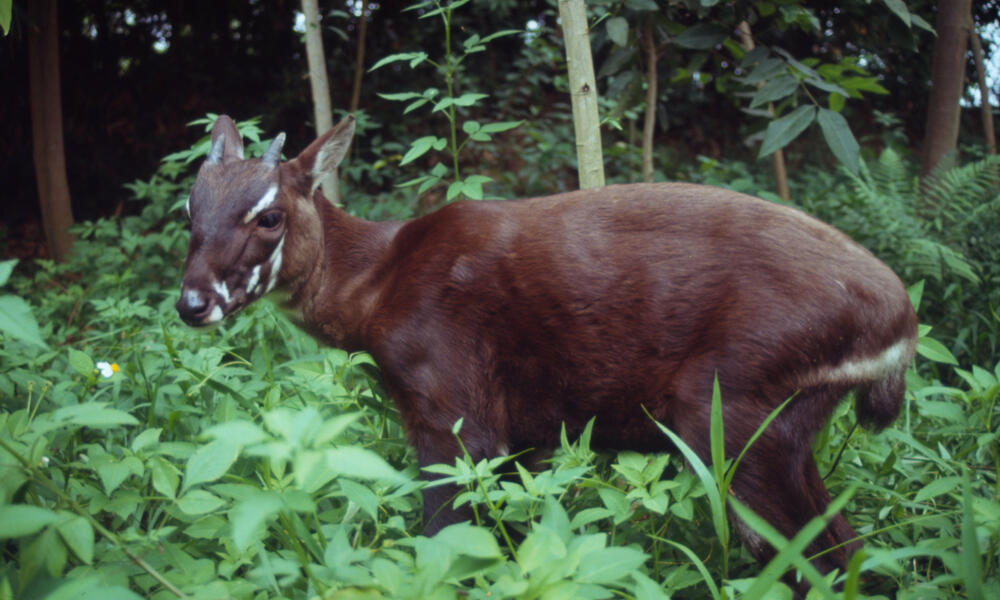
(520, 316)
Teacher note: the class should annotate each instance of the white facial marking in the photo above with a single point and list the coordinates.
(222, 290)
(275, 261)
(263, 204)
(192, 297)
(253, 280)
(215, 316)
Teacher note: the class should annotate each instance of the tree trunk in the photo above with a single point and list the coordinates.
(947, 79)
(47, 128)
(359, 57)
(649, 124)
(984, 92)
(320, 86)
(778, 156)
(583, 93)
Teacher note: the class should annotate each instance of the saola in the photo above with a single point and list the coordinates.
(520, 316)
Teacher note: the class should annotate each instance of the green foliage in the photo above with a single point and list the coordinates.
(142, 458)
(449, 68)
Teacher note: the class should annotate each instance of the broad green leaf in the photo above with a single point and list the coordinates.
(78, 535)
(199, 502)
(251, 514)
(934, 350)
(608, 565)
(147, 438)
(5, 13)
(165, 476)
(17, 321)
(454, 189)
(18, 520)
(470, 540)
(775, 89)
(618, 30)
(899, 7)
(701, 36)
(401, 96)
(839, 138)
(782, 131)
(91, 414)
(210, 462)
(418, 148)
(91, 587)
(112, 472)
(6, 266)
(938, 487)
(768, 69)
(415, 59)
(359, 463)
(246, 432)
(500, 126)
(81, 362)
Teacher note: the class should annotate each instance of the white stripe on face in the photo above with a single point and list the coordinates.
(263, 204)
(253, 281)
(275, 261)
(222, 290)
(215, 316)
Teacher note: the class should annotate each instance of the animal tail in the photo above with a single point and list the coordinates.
(878, 402)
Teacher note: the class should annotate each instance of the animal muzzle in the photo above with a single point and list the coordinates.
(199, 308)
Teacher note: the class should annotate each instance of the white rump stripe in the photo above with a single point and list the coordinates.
(263, 204)
(867, 369)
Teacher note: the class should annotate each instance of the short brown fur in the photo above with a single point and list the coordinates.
(520, 316)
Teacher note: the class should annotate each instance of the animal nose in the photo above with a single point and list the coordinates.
(193, 307)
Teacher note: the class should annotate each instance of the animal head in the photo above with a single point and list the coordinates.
(254, 224)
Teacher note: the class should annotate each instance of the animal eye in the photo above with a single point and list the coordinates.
(269, 220)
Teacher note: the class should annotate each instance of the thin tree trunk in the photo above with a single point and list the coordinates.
(984, 92)
(47, 128)
(649, 124)
(778, 156)
(583, 93)
(322, 111)
(947, 79)
(359, 57)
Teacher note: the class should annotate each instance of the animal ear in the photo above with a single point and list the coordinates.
(323, 155)
(227, 145)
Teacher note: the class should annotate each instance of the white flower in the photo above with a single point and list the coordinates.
(107, 369)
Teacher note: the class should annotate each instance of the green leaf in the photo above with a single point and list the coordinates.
(418, 148)
(78, 535)
(618, 30)
(401, 96)
(839, 138)
(359, 463)
(87, 588)
(91, 414)
(147, 438)
(251, 514)
(165, 477)
(701, 36)
(454, 189)
(199, 502)
(899, 7)
(18, 520)
(934, 350)
(17, 321)
(500, 126)
(81, 362)
(782, 131)
(937, 487)
(210, 462)
(469, 540)
(6, 266)
(775, 89)
(767, 69)
(415, 59)
(609, 565)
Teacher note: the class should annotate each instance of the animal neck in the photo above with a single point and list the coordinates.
(337, 288)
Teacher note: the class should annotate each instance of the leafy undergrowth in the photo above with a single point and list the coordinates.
(141, 458)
